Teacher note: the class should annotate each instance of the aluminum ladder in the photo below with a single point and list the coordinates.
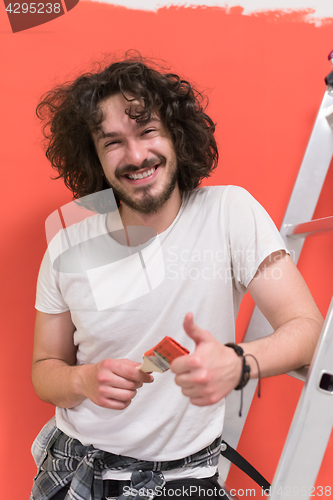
(313, 420)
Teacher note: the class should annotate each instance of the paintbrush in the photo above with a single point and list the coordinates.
(159, 358)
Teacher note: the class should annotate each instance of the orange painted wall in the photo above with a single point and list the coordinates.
(264, 77)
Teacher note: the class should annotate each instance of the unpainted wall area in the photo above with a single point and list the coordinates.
(264, 75)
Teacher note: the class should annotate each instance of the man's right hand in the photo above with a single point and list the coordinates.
(112, 383)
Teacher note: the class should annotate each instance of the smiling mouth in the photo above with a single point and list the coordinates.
(142, 175)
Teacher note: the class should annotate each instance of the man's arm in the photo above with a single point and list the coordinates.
(282, 295)
(111, 383)
(214, 370)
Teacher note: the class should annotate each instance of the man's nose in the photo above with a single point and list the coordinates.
(136, 153)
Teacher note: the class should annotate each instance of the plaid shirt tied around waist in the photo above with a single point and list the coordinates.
(64, 461)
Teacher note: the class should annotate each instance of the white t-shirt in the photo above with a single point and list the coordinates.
(202, 264)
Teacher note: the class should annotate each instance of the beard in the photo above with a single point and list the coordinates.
(148, 203)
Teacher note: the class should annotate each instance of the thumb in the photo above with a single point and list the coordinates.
(194, 331)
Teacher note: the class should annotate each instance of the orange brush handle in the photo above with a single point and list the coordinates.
(168, 348)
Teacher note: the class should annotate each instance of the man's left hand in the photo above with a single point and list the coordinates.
(211, 372)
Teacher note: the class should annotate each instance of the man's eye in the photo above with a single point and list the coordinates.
(148, 131)
(111, 143)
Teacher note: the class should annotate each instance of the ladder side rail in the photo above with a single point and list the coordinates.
(314, 167)
(301, 206)
(311, 427)
(311, 177)
(303, 199)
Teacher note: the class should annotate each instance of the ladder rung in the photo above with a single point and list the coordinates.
(308, 228)
(300, 373)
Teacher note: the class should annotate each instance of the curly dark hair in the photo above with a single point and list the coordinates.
(70, 113)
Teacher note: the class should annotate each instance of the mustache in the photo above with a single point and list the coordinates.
(147, 163)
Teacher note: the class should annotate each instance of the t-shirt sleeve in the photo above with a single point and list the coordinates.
(48, 296)
(252, 234)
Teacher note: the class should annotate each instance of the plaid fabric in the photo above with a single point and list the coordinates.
(65, 461)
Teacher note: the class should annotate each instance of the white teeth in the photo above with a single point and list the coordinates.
(142, 176)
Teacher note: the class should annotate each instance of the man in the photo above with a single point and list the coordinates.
(146, 135)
